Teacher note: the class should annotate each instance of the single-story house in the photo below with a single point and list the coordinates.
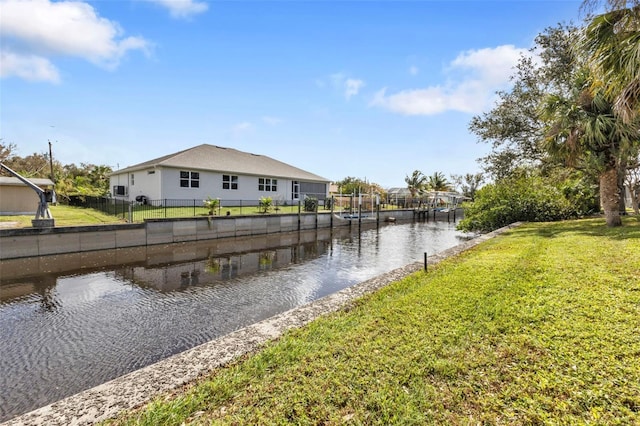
(17, 198)
(217, 172)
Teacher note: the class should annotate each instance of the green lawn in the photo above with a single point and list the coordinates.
(73, 216)
(141, 212)
(64, 216)
(538, 326)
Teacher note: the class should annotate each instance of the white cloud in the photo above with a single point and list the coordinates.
(352, 87)
(483, 72)
(182, 8)
(36, 30)
(493, 65)
(27, 67)
(346, 85)
(413, 70)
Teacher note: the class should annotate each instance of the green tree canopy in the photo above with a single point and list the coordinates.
(561, 113)
(468, 184)
(70, 179)
(357, 186)
(514, 127)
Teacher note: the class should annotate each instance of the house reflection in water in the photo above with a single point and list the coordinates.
(164, 268)
(215, 268)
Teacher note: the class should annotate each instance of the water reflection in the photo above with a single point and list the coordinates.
(71, 322)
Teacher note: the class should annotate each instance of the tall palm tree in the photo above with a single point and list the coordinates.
(612, 44)
(416, 182)
(585, 132)
(611, 47)
(437, 182)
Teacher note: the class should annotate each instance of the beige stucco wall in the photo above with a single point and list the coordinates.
(16, 200)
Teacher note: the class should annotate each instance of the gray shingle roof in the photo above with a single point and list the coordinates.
(220, 159)
(14, 181)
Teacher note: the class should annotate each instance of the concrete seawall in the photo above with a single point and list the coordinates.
(34, 242)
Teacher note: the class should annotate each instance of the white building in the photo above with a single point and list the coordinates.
(212, 171)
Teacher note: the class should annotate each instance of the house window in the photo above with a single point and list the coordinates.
(120, 190)
(189, 179)
(267, 184)
(132, 179)
(229, 182)
(295, 190)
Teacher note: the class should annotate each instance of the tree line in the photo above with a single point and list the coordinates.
(417, 183)
(70, 180)
(566, 137)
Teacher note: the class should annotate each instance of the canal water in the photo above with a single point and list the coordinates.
(71, 322)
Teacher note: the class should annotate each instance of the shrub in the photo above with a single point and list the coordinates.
(265, 204)
(212, 205)
(525, 198)
(310, 204)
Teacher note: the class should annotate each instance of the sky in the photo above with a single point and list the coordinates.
(365, 89)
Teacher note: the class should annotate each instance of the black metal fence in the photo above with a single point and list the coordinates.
(136, 211)
(143, 208)
(111, 206)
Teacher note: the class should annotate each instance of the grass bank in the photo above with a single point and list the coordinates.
(64, 216)
(538, 326)
(75, 216)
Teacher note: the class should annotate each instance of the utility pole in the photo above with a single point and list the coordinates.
(51, 163)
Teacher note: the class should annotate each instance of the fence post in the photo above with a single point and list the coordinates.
(130, 213)
(332, 206)
(165, 208)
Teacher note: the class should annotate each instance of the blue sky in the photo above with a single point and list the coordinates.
(370, 89)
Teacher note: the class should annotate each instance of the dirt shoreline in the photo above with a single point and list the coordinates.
(139, 387)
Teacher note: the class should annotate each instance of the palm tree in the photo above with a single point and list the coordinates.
(611, 47)
(437, 182)
(416, 182)
(612, 44)
(584, 131)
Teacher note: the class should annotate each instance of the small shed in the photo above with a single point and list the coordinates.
(16, 198)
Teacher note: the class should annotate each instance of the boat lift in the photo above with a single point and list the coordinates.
(43, 215)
